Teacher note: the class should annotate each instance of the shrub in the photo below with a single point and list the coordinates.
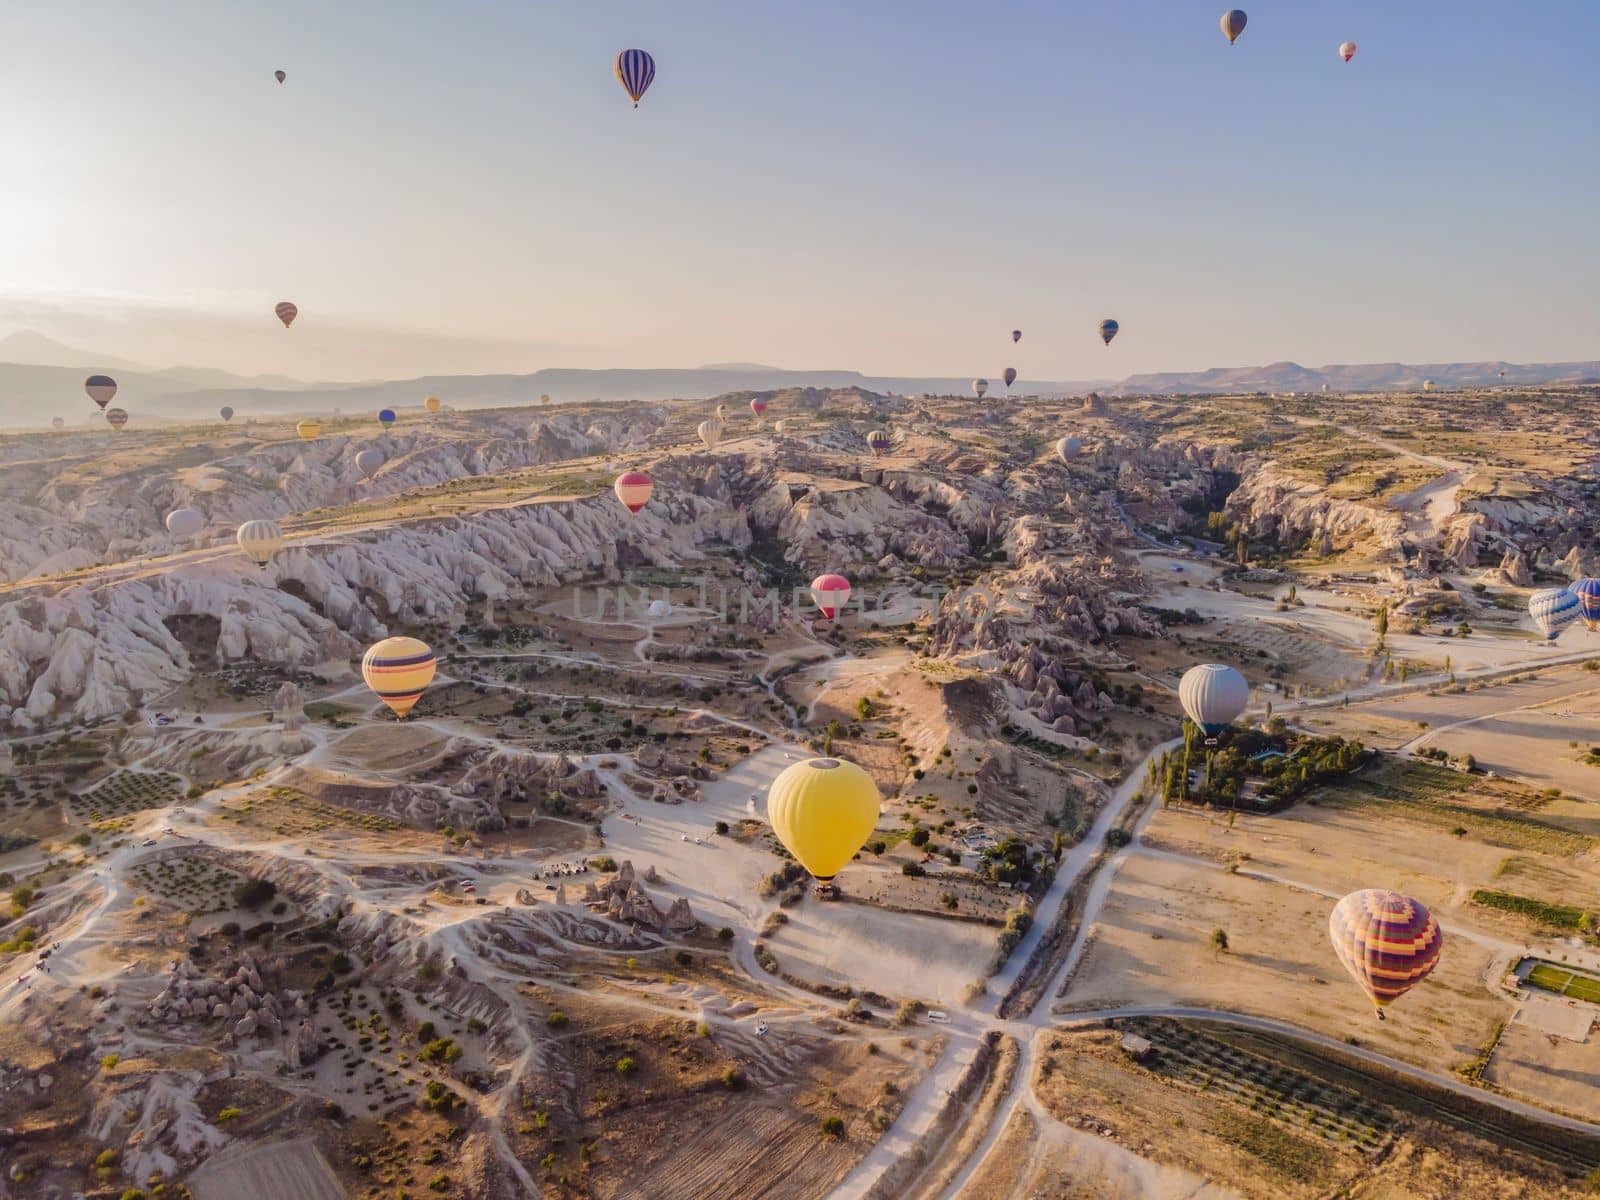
(722, 828)
(919, 837)
(253, 893)
(556, 1020)
(733, 1079)
(913, 869)
(227, 1115)
(725, 934)
(110, 1061)
(832, 1126)
(626, 1065)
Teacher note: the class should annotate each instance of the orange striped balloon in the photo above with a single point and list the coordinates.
(634, 488)
(399, 670)
(1388, 942)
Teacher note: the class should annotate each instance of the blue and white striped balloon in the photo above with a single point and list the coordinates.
(1588, 593)
(1552, 610)
(635, 70)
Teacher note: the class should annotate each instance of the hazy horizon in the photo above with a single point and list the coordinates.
(889, 190)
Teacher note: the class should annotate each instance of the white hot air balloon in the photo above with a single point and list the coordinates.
(185, 522)
(260, 540)
(1068, 448)
(1553, 609)
(710, 433)
(1213, 696)
(369, 461)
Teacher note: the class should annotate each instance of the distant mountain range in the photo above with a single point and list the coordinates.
(41, 378)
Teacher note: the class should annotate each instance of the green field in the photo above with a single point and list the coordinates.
(1563, 982)
(1559, 916)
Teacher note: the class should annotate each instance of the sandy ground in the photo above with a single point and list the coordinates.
(283, 1170)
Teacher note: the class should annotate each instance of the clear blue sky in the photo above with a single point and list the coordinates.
(882, 184)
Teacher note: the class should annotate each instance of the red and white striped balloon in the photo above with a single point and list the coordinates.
(633, 488)
(287, 312)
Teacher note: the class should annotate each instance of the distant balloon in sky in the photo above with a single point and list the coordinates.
(878, 441)
(635, 70)
(1588, 593)
(710, 431)
(432, 404)
(279, 76)
(226, 412)
(759, 407)
(1213, 696)
(287, 311)
(1016, 335)
(1233, 23)
(980, 386)
(185, 522)
(117, 417)
(58, 423)
(386, 417)
(101, 388)
(308, 430)
(1552, 610)
(1388, 942)
(633, 488)
(831, 592)
(1010, 376)
(399, 670)
(823, 810)
(1108, 330)
(368, 462)
(260, 540)
(1427, 385)
(1347, 51)
(1068, 448)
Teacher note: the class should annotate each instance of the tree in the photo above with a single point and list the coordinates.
(1383, 623)
(1219, 941)
(253, 893)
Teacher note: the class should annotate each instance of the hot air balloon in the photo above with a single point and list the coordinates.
(185, 522)
(823, 810)
(710, 432)
(1233, 23)
(1213, 696)
(544, 397)
(1010, 376)
(1588, 593)
(399, 670)
(116, 417)
(634, 70)
(1108, 330)
(1347, 51)
(287, 312)
(722, 412)
(831, 593)
(279, 76)
(1016, 335)
(226, 412)
(432, 404)
(386, 417)
(58, 423)
(1388, 942)
(1068, 448)
(980, 386)
(1552, 610)
(307, 429)
(658, 608)
(260, 540)
(1427, 385)
(759, 407)
(878, 441)
(369, 461)
(101, 389)
(781, 425)
(633, 488)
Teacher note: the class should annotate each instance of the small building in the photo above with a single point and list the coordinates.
(1140, 1049)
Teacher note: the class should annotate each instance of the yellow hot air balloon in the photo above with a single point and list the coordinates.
(399, 670)
(308, 430)
(823, 810)
(431, 404)
(260, 540)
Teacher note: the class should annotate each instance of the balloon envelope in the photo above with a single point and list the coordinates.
(823, 810)
(1213, 696)
(307, 429)
(1347, 51)
(1108, 330)
(1552, 610)
(279, 76)
(878, 441)
(1588, 593)
(432, 404)
(1016, 335)
(1388, 942)
(185, 522)
(980, 386)
(399, 670)
(287, 312)
(260, 540)
(368, 462)
(101, 389)
(831, 592)
(58, 422)
(1010, 376)
(226, 412)
(1427, 385)
(633, 488)
(635, 71)
(758, 406)
(1233, 23)
(710, 432)
(117, 417)
(386, 417)
(1068, 448)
